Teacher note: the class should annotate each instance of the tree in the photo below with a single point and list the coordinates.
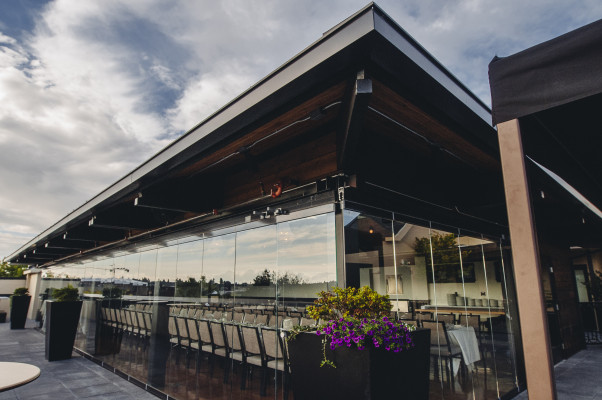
(443, 252)
(263, 279)
(267, 278)
(189, 288)
(11, 270)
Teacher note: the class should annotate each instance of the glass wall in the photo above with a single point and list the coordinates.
(450, 281)
(198, 316)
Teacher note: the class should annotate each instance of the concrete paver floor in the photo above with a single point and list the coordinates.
(579, 377)
(77, 378)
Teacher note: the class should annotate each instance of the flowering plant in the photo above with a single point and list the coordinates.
(358, 318)
(391, 335)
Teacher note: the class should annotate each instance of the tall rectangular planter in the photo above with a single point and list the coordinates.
(61, 326)
(360, 374)
(19, 305)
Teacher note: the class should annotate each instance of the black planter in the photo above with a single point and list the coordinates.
(61, 326)
(19, 305)
(366, 374)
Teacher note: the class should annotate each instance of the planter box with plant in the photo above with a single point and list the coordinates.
(359, 353)
(62, 317)
(19, 305)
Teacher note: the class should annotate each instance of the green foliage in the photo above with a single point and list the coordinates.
(445, 248)
(350, 302)
(445, 256)
(189, 288)
(11, 271)
(21, 291)
(263, 279)
(112, 292)
(68, 293)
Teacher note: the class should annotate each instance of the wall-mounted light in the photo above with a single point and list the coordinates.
(371, 230)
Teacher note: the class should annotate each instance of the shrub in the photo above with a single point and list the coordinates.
(113, 292)
(21, 291)
(68, 293)
(350, 302)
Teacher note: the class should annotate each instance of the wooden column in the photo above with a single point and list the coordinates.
(533, 320)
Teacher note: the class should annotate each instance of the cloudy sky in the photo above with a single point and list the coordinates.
(90, 89)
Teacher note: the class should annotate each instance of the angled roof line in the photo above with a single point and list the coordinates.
(369, 19)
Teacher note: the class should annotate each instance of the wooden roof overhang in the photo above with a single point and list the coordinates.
(365, 99)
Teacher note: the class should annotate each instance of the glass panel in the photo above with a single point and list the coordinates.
(412, 282)
(189, 272)
(366, 251)
(580, 280)
(306, 258)
(306, 266)
(256, 254)
(450, 282)
(146, 273)
(256, 278)
(146, 305)
(218, 270)
(167, 259)
(502, 327)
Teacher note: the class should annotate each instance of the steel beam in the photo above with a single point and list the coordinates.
(354, 116)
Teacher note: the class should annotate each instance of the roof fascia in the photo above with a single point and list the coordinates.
(391, 31)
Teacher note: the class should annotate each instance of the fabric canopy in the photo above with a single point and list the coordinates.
(553, 73)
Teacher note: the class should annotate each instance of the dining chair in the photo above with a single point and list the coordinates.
(235, 347)
(254, 354)
(442, 349)
(276, 358)
(308, 322)
(448, 319)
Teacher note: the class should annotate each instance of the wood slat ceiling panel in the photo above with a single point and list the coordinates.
(388, 102)
(330, 96)
(309, 162)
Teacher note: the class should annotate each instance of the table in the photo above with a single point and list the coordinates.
(485, 311)
(13, 374)
(466, 338)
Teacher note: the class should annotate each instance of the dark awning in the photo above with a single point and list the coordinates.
(554, 89)
(553, 73)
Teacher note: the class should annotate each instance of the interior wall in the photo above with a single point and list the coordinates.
(471, 290)
(556, 255)
(596, 259)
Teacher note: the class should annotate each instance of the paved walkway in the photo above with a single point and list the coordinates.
(76, 378)
(579, 377)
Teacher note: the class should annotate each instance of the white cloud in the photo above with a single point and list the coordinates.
(98, 87)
